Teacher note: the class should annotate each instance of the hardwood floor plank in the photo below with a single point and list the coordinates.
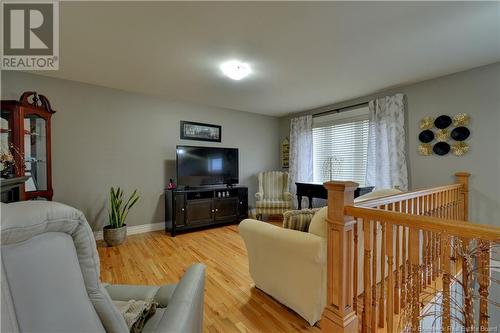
(232, 303)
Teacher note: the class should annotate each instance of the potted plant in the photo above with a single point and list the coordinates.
(116, 232)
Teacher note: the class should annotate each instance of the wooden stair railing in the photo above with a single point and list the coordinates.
(411, 248)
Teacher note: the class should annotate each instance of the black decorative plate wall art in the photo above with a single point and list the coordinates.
(444, 134)
(426, 136)
(442, 121)
(441, 148)
(460, 133)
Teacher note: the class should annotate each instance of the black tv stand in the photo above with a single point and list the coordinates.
(190, 208)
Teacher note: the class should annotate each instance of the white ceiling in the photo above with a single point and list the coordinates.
(303, 54)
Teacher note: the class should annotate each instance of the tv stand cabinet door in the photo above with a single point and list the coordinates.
(243, 203)
(180, 210)
(226, 209)
(199, 211)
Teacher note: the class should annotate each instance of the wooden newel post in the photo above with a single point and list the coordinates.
(339, 315)
(463, 178)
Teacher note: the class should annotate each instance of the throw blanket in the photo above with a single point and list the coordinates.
(135, 313)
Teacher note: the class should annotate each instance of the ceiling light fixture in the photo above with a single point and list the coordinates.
(235, 69)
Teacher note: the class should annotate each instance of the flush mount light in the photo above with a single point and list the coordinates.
(235, 69)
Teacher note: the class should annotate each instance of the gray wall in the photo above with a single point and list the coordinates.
(105, 137)
(475, 92)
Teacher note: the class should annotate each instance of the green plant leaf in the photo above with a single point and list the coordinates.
(119, 209)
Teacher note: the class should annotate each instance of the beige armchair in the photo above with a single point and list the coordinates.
(289, 265)
(273, 196)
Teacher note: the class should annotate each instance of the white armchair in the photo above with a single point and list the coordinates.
(289, 265)
(273, 196)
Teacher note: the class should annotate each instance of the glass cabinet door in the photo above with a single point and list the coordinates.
(6, 155)
(35, 152)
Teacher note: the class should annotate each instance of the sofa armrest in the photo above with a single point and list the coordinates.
(184, 312)
(126, 292)
(259, 196)
(298, 219)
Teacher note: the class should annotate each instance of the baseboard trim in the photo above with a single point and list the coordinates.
(136, 229)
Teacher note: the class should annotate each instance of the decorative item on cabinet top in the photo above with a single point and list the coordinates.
(436, 135)
(285, 154)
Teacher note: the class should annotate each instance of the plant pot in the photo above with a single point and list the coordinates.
(114, 236)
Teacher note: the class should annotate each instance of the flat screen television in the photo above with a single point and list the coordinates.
(205, 166)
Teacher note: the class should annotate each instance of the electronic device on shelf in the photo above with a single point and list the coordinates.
(206, 166)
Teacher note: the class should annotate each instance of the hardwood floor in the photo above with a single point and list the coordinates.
(232, 303)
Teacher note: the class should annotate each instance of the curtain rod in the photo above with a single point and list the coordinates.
(345, 108)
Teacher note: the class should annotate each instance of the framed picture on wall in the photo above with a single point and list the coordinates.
(200, 131)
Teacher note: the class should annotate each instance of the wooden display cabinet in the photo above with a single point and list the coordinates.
(26, 132)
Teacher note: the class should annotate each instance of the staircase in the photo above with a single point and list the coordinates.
(409, 263)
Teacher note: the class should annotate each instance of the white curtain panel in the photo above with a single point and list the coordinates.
(301, 152)
(386, 165)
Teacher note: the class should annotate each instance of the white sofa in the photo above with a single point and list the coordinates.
(290, 265)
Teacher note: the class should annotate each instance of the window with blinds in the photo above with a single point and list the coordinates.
(340, 145)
